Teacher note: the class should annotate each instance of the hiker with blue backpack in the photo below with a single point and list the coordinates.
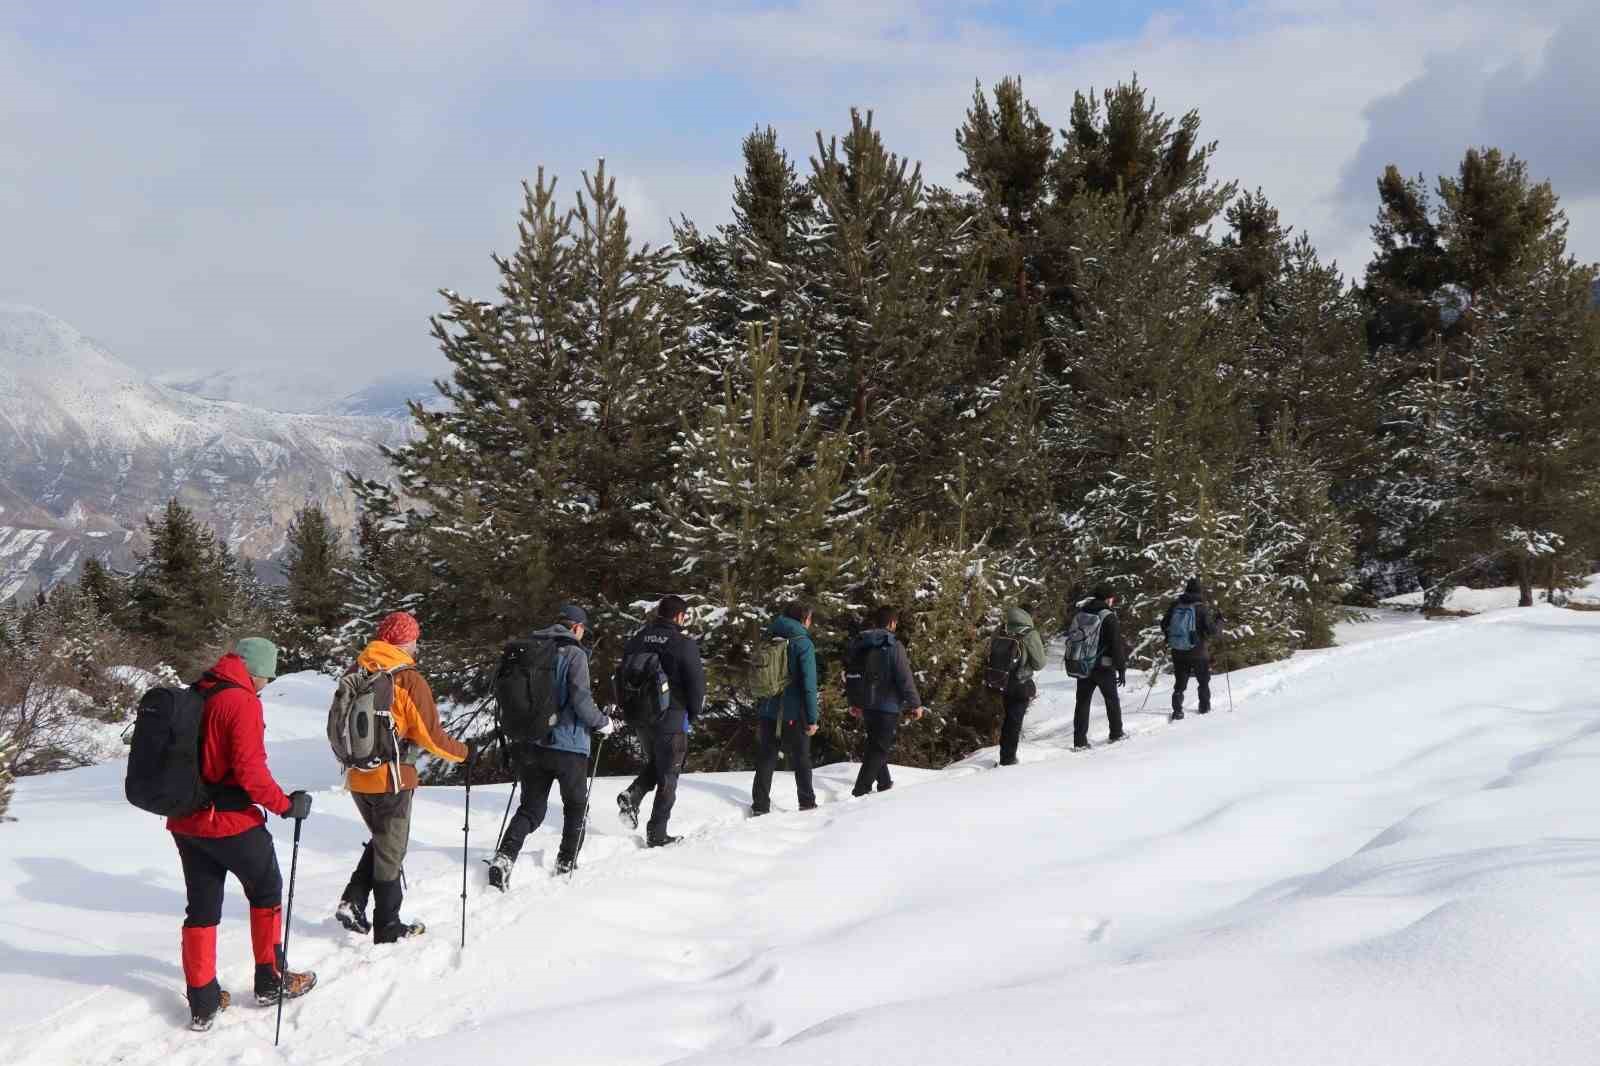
(1096, 657)
(1189, 625)
(784, 679)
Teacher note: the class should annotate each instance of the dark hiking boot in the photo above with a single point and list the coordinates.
(269, 989)
(201, 1021)
(565, 865)
(664, 840)
(757, 812)
(391, 934)
(808, 806)
(1116, 739)
(1084, 746)
(1205, 710)
(628, 810)
(500, 872)
(1177, 716)
(353, 918)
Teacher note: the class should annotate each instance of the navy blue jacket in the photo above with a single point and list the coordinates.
(901, 692)
(579, 715)
(799, 700)
(1205, 626)
(680, 661)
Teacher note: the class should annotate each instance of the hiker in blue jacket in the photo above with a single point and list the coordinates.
(898, 696)
(793, 714)
(1195, 659)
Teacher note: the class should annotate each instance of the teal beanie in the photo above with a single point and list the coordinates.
(260, 655)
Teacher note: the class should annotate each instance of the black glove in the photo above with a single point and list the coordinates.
(474, 751)
(299, 805)
(1122, 678)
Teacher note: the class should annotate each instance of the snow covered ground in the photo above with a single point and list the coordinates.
(1387, 853)
(1480, 600)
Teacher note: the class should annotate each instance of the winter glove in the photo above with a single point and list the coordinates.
(1122, 678)
(299, 805)
(607, 729)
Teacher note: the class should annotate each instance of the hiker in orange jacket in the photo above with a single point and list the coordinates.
(383, 801)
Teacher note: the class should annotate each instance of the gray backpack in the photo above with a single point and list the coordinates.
(360, 726)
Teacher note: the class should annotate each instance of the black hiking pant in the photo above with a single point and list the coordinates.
(1016, 709)
(541, 768)
(794, 744)
(881, 729)
(1103, 678)
(207, 862)
(1184, 667)
(666, 752)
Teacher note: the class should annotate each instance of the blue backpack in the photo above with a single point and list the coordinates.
(1180, 629)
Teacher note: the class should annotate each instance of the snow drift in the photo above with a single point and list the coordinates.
(1386, 854)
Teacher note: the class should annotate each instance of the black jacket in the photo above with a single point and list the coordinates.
(680, 661)
(1110, 636)
(1205, 626)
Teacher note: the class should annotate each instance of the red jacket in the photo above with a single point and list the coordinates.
(233, 752)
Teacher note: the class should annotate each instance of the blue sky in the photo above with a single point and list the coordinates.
(199, 184)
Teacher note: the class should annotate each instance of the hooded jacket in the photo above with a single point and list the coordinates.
(579, 715)
(1205, 626)
(798, 701)
(680, 661)
(901, 692)
(1113, 656)
(1019, 624)
(233, 752)
(416, 720)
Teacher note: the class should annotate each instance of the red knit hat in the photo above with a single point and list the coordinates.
(398, 628)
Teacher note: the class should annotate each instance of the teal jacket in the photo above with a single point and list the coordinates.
(800, 698)
(1020, 624)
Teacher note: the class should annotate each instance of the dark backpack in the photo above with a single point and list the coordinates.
(1083, 643)
(643, 690)
(361, 728)
(525, 689)
(1181, 634)
(1004, 662)
(867, 673)
(164, 774)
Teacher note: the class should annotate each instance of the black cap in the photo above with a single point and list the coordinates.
(575, 614)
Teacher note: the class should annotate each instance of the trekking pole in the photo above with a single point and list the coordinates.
(1228, 676)
(466, 823)
(1155, 673)
(583, 832)
(288, 919)
(515, 781)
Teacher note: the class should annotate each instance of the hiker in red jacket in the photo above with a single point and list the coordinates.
(230, 836)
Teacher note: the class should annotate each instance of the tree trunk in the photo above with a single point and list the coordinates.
(1524, 581)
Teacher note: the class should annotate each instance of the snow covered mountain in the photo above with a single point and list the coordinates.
(1382, 853)
(307, 390)
(89, 447)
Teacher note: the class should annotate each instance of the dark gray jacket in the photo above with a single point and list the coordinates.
(901, 693)
(579, 715)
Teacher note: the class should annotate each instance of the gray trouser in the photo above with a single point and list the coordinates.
(388, 818)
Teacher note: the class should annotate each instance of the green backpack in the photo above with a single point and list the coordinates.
(769, 671)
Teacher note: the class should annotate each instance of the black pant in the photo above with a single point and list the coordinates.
(1016, 704)
(666, 752)
(207, 862)
(797, 745)
(1105, 679)
(881, 729)
(541, 768)
(1199, 667)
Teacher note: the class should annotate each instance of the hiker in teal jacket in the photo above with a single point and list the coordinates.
(793, 713)
(1019, 624)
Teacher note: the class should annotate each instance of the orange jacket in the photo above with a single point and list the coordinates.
(416, 718)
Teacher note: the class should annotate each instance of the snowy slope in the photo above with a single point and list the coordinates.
(1385, 855)
(307, 390)
(1494, 599)
(88, 447)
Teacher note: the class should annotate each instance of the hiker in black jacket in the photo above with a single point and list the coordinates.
(1196, 660)
(665, 743)
(1110, 675)
(899, 696)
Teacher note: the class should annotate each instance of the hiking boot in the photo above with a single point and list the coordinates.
(500, 871)
(565, 865)
(808, 806)
(391, 934)
(353, 918)
(1085, 746)
(202, 1021)
(293, 986)
(1177, 716)
(628, 810)
(1115, 739)
(1205, 710)
(663, 841)
(757, 812)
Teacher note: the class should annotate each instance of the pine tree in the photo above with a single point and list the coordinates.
(314, 566)
(184, 589)
(108, 590)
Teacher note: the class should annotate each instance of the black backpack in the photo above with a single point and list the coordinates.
(1005, 659)
(525, 689)
(643, 690)
(867, 673)
(164, 755)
